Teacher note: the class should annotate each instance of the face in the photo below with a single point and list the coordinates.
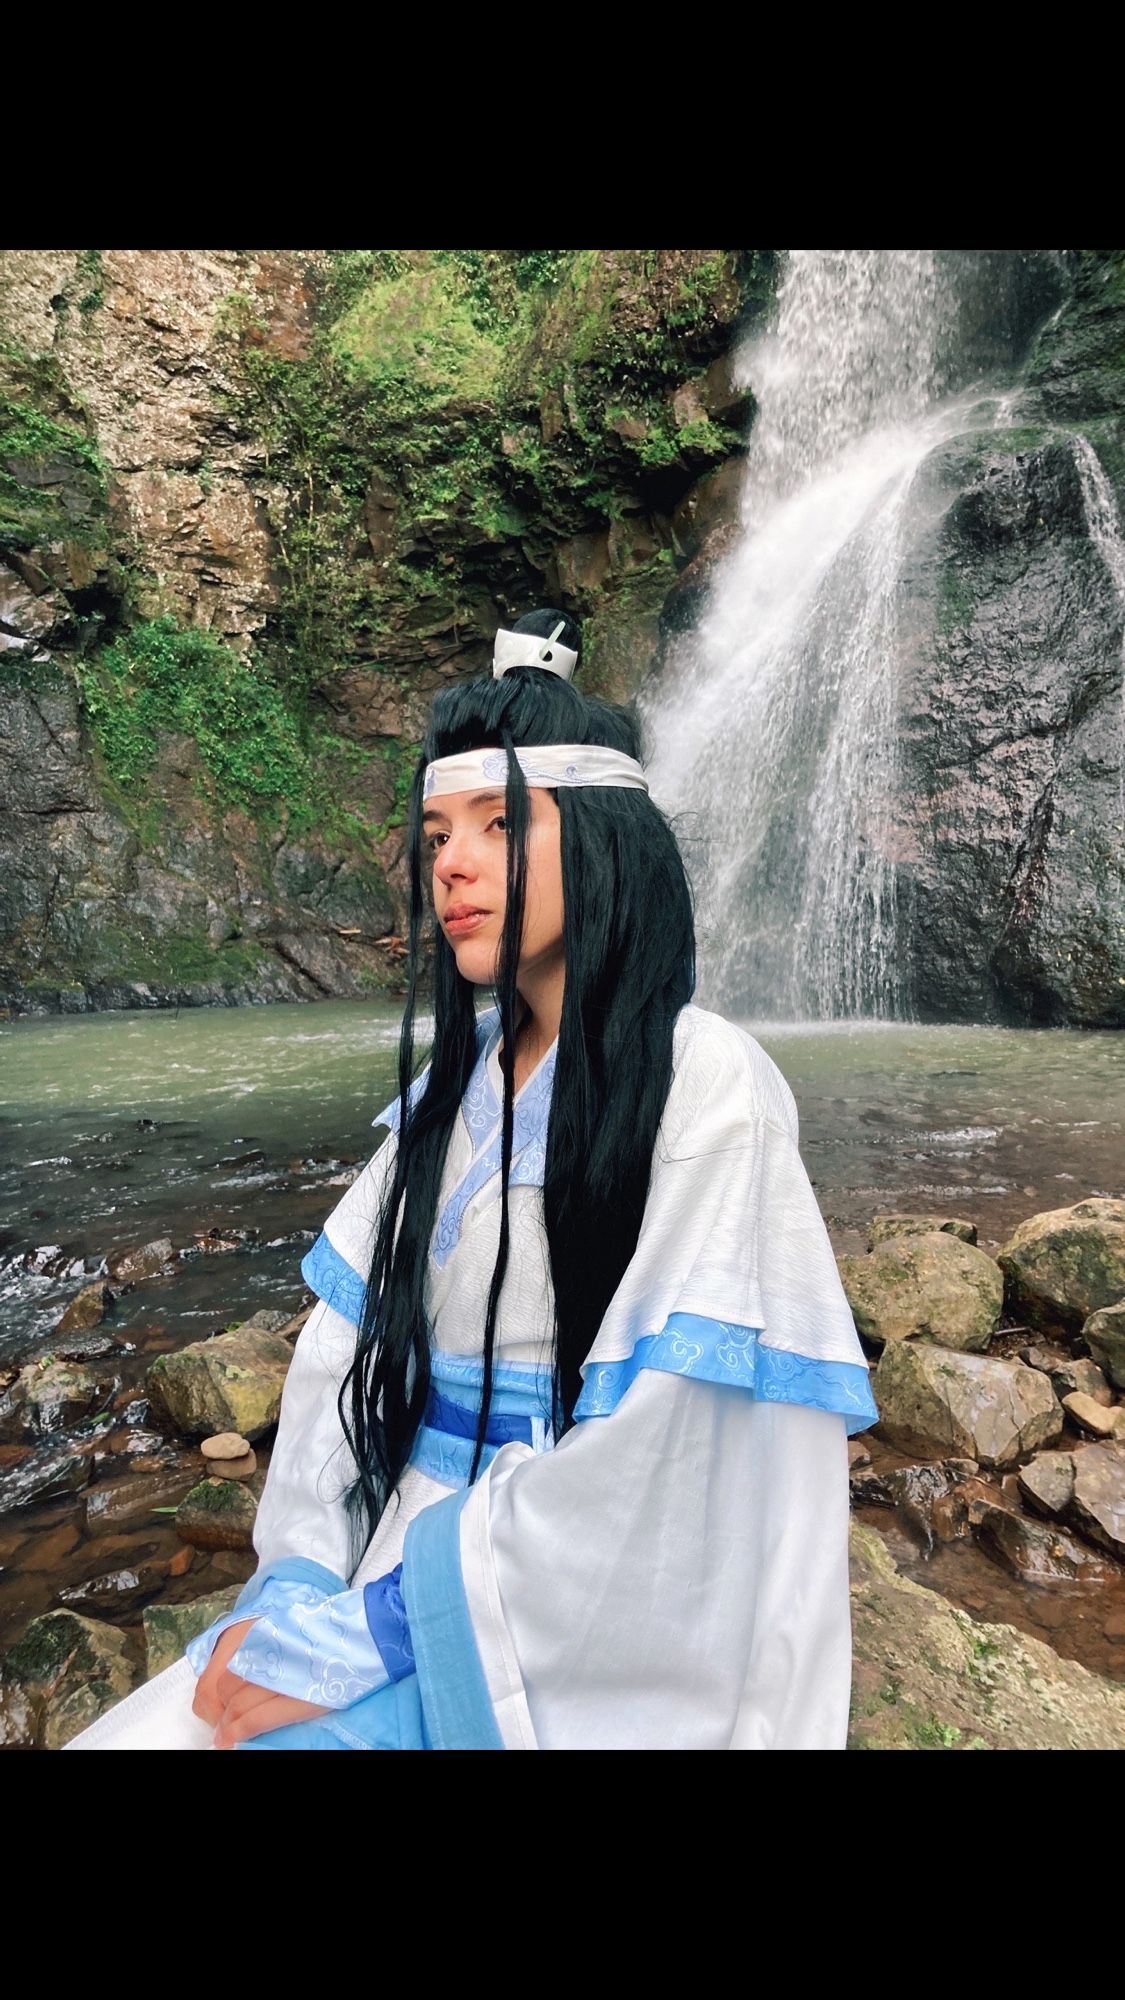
(465, 839)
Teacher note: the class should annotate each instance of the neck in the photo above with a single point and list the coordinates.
(541, 991)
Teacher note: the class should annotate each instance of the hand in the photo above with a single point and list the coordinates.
(252, 1710)
(216, 1687)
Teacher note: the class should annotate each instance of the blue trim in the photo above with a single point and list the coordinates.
(516, 1385)
(718, 1351)
(458, 1420)
(529, 1147)
(332, 1278)
(455, 1700)
(387, 1623)
(447, 1459)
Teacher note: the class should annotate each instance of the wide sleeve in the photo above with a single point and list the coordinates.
(673, 1578)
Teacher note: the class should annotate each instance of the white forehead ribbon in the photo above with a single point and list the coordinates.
(552, 764)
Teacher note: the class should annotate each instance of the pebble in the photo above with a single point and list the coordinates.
(858, 1453)
(227, 1444)
(1114, 1627)
(181, 1562)
(233, 1468)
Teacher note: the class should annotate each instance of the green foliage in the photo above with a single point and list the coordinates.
(537, 268)
(33, 509)
(91, 275)
(933, 1734)
(422, 338)
(155, 677)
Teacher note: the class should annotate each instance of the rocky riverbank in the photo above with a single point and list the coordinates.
(130, 1472)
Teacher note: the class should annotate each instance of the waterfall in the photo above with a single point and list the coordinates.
(774, 723)
(1105, 533)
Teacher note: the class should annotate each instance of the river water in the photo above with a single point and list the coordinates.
(250, 1122)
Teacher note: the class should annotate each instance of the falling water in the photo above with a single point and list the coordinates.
(1105, 533)
(775, 723)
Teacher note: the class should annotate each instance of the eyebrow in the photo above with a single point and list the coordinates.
(478, 799)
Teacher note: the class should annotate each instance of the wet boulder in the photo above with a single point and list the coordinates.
(1066, 1263)
(1035, 1550)
(930, 1287)
(1104, 1335)
(70, 1670)
(968, 1404)
(145, 1260)
(60, 1464)
(170, 1628)
(920, 1495)
(87, 1310)
(52, 1395)
(218, 1514)
(231, 1383)
(884, 1227)
(1097, 1506)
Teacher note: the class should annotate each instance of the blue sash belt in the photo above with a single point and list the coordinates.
(442, 1414)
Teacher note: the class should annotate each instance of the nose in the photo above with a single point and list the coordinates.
(454, 862)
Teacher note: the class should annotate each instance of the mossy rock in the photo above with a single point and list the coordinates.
(218, 1514)
(71, 1670)
(232, 1383)
(170, 1628)
(52, 1395)
(930, 1287)
(887, 1226)
(925, 1676)
(1066, 1263)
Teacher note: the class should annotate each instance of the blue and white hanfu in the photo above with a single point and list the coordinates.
(672, 1574)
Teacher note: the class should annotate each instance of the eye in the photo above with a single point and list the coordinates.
(500, 821)
(430, 841)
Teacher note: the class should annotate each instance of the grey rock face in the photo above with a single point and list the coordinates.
(993, 1411)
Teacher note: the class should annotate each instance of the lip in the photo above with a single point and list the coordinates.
(462, 920)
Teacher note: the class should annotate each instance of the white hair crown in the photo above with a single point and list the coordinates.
(531, 649)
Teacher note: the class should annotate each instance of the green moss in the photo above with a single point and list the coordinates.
(156, 677)
(90, 277)
(216, 1496)
(52, 477)
(416, 340)
(49, 1645)
(933, 1734)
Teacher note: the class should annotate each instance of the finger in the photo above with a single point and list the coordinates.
(277, 1712)
(208, 1702)
(247, 1695)
(228, 1686)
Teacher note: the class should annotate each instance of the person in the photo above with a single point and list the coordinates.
(561, 1461)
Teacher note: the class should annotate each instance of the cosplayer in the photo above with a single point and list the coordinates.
(562, 1455)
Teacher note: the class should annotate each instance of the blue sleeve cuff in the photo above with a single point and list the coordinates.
(293, 1580)
(388, 1624)
(330, 1651)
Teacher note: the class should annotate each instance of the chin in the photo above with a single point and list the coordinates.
(476, 961)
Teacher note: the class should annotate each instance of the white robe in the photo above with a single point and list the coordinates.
(672, 1574)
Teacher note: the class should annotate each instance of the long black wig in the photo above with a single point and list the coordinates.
(629, 949)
